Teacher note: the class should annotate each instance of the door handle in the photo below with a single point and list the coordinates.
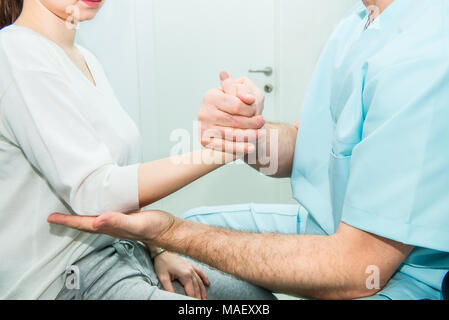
(268, 71)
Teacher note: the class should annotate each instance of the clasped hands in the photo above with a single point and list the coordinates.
(231, 117)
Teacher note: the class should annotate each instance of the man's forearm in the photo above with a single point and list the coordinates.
(310, 266)
(275, 152)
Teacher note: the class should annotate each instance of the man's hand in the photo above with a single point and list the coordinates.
(143, 226)
(245, 90)
(230, 117)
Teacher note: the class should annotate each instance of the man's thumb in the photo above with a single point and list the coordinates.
(224, 75)
(228, 84)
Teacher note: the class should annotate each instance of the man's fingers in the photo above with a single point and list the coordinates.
(239, 88)
(217, 99)
(115, 224)
(81, 223)
(230, 104)
(224, 75)
(245, 94)
(228, 84)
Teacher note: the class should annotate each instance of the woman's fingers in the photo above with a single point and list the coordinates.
(230, 134)
(166, 282)
(203, 276)
(231, 147)
(241, 135)
(189, 287)
(203, 281)
(196, 285)
(201, 286)
(221, 117)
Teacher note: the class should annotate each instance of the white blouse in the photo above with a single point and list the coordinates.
(67, 146)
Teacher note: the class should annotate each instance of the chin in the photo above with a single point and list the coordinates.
(89, 9)
(86, 16)
(92, 4)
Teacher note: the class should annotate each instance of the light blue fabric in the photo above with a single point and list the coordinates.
(373, 143)
(254, 218)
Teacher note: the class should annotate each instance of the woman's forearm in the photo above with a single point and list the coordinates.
(158, 179)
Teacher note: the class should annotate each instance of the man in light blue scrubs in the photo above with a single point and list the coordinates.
(369, 167)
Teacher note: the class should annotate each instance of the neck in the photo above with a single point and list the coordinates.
(380, 4)
(38, 18)
(376, 7)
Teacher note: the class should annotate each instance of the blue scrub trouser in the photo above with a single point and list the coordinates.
(292, 219)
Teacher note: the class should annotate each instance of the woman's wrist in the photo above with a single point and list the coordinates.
(156, 252)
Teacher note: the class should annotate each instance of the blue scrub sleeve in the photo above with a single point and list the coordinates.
(398, 184)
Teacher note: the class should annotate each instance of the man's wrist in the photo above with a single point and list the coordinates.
(167, 237)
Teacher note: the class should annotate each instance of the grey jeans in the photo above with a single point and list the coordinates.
(124, 271)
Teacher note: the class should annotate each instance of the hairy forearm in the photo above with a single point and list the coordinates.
(309, 266)
(161, 178)
(275, 151)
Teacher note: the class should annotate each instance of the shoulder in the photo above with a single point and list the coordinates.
(347, 28)
(420, 42)
(410, 70)
(22, 49)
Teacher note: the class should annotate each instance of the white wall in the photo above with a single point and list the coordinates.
(112, 37)
(130, 38)
(305, 27)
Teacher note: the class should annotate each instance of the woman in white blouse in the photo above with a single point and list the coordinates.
(66, 145)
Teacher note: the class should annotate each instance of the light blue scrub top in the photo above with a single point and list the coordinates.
(373, 143)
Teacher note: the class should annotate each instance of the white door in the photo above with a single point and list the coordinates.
(163, 55)
(195, 39)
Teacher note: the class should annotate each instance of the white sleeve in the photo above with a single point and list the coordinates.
(41, 115)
